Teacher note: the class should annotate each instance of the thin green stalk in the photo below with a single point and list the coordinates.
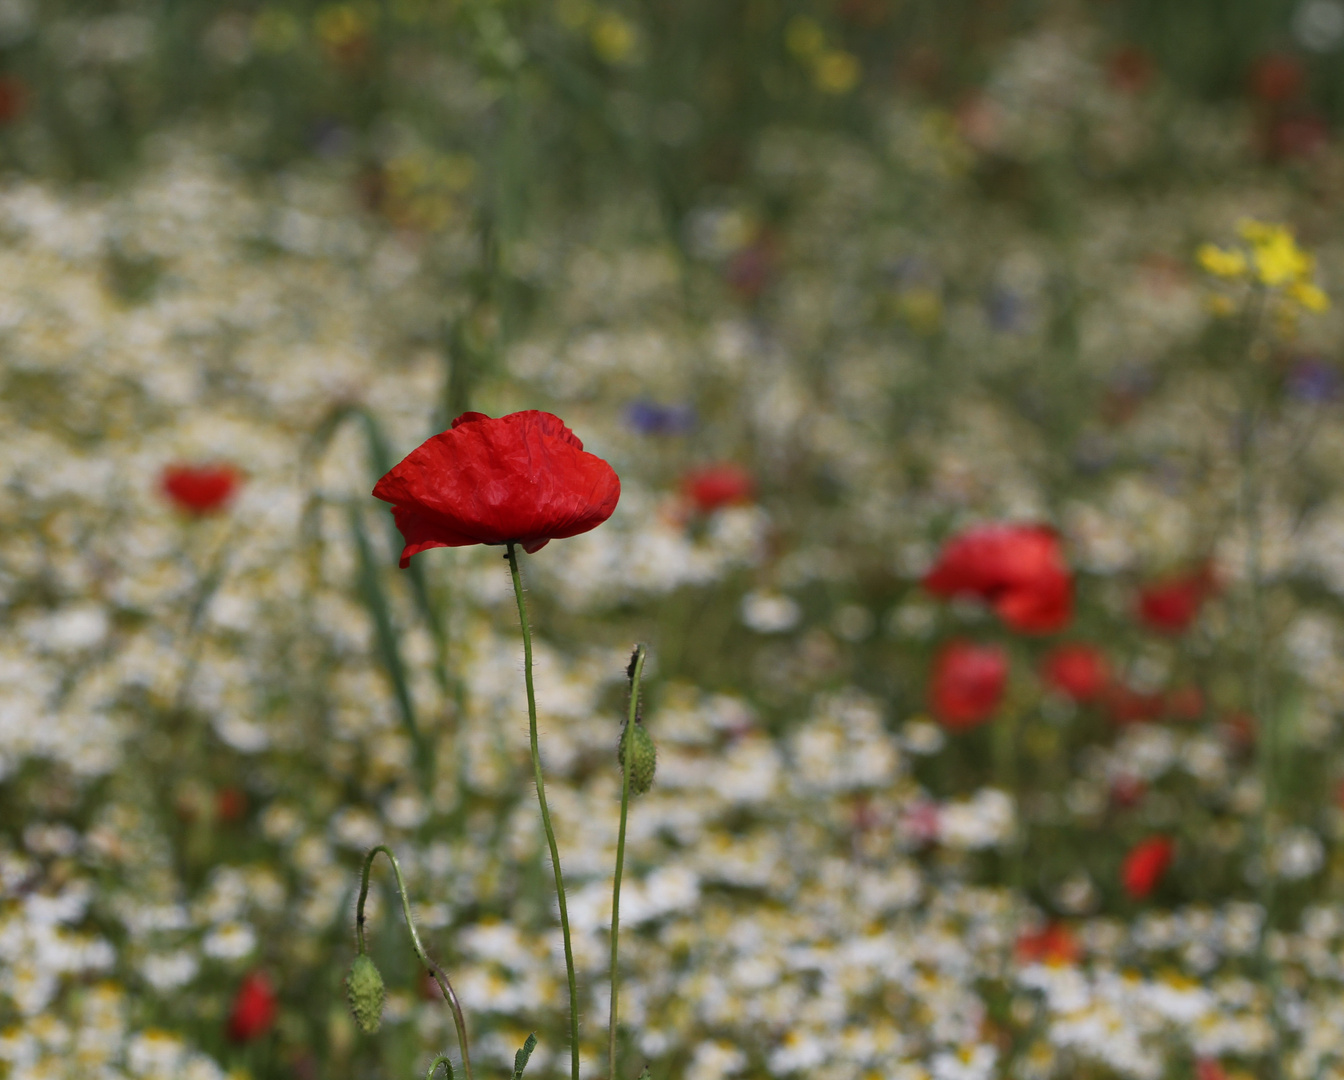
(437, 972)
(512, 556)
(636, 674)
(1266, 743)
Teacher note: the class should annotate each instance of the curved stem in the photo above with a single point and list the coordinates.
(512, 556)
(434, 970)
(446, 1062)
(636, 673)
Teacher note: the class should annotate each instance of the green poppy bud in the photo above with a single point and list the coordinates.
(365, 991)
(643, 759)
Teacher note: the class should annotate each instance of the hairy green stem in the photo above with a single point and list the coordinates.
(512, 556)
(434, 970)
(446, 1062)
(636, 673)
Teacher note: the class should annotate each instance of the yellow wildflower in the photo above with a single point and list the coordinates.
(1278, 260)
(1309, 295)
(340, 26)
(804, 37)
(613, 38)
(837, 72)
(1221, 262)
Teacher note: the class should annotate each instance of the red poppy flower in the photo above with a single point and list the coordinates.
(1129, 69)
(751, 268)
(1127, 705)
(1185, 703)
(200, 489)
(1077, 671)
(230, 804)
(716, 486)
(1146, 864)
(1171, 605)
(523, 478)
(1053, 944)
(1018, 569)
(1209, 1069)
(254, 1008)
(967, 684)
(1277, 78)
(13, 99)
(1127, 791)
(1296, 137)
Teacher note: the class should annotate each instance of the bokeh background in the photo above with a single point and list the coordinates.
(829, 283)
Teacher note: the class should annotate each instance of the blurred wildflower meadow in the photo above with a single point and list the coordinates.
(972, 370)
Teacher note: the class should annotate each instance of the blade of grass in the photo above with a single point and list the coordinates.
(389, 651)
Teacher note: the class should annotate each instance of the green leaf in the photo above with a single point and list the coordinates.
(520, 1058)
(389, 651)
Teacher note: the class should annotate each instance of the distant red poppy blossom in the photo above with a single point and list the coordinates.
(1127, 791)
(1296, 137)
(230, 804)
(1018, 569)
(1077, 671)
(1277, 78)
(967, 684)
(751, 268)
(523, 478)
(13, 99)
(1127, 705)
(1129, 69)
(254, 1008)
(200, 489)
(1209, 1069)
(1185, 703)
(1146, 864)
(1171, 605)
(715, 486)
(1054, 944)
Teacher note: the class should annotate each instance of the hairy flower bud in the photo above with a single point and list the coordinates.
(643, 759)
(365, 991)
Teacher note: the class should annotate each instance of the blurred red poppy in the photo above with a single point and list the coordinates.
(200, 489)
(1296, 137)
(1054, 944)
(1127, 705)
(967, 683)
(1277, 77)
(13, 99)
(1209, 1069)
(1127, 791)
(1129, 69)
(716, 486)
(230, 804)
(1185, 703)
(1171, 605)
(1146, 864)
(523, 478)
(751, 268)
(254, 1008)
(1018, 569)
(1077, 671)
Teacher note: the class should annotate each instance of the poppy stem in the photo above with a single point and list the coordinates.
(636, 673)
(438, 974)
(512, 556)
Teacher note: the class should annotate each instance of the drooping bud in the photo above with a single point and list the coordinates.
(643, 758)
(365, 991)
